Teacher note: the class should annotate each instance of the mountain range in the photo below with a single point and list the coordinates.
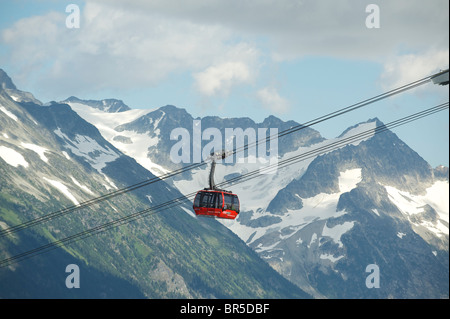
(314, 228)
(51, 159)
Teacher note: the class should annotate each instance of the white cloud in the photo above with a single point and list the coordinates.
(272, 101)
(136, 43)
(297, 28)
(32, 41)
(404, 69)
(218, 79)
(116, 48)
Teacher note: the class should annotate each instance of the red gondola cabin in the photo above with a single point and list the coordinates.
(216, 203)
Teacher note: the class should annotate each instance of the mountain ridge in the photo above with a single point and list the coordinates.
(106, 105)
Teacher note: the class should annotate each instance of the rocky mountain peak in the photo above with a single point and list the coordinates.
(106, 105)
(5, 81)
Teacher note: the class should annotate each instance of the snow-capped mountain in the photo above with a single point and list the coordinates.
(378, 203)
(50, 160)
(323, 220)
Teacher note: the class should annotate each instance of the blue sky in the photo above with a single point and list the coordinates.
(296, 60)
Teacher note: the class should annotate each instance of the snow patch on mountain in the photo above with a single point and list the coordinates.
(330, 257)
(8, 113)
(87, 147)
(111, 184)
(82, 187)
(411, 205)
(37, 149)
(63, 189)
(137, 148)
(337, 231)
(349, 180)
(12, 157)
(66, 155)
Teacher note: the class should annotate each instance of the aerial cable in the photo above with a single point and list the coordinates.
(95, 200)
(342, 111)
(237, 180)
(348, 140)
